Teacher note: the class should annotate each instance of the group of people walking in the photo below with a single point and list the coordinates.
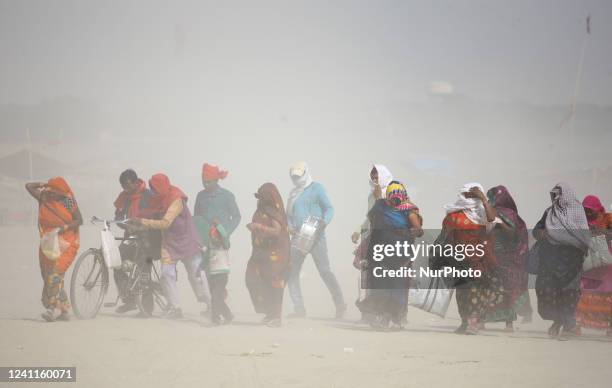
(566, 295)
(159, 213)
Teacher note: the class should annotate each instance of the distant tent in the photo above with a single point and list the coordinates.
(17, 166)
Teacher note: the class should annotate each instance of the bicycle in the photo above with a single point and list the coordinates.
(90, 277)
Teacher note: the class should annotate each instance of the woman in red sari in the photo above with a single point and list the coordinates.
(469, 221)
(57, 210)
(511, 246)
(595, 306)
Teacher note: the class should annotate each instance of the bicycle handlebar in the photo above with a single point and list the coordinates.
(97, 220)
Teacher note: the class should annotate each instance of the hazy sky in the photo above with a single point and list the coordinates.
(259, 85)
(290, 53)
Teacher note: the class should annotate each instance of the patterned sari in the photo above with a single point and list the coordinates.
(475, 295)
(511, 247)
(269, 263)
(595, 306)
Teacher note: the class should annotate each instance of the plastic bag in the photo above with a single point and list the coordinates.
(434, 298)
(110, 249)
(598, 255)
(50, 244)
(219, 261)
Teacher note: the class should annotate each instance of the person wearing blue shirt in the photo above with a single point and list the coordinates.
(216, 216)
(309, 198)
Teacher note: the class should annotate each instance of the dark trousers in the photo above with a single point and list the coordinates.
(122, 279)
(219, 308)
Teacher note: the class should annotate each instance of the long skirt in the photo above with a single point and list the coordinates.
(508, 313)
(558, 305)
(595, 310)
(558, 284)
(595, 306)
(385, 302)
(511, 271)
(477, 296)
(266, 294)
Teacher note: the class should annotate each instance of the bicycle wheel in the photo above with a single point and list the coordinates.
(88, 284)
(151, 293)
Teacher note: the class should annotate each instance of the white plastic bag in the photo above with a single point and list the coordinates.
(110, 249)
(434, 298)
(219, 261)
(50, 244)
(598, 255)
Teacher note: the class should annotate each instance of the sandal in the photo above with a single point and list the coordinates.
(48, 315)
(63, 317)
(553, 331)
(274, 322)
(462, 328)
(567, 334)
(473, 326)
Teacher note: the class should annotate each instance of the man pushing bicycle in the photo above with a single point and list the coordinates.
(134, 201)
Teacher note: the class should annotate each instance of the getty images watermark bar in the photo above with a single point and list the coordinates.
(38, 374)
(440, 260)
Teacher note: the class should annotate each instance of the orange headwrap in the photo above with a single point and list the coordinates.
(52, 213)
(211, 173)
(60, 186)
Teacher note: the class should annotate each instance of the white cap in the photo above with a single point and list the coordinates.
(298, 169)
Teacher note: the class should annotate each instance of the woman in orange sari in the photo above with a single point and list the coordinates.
(57, 210)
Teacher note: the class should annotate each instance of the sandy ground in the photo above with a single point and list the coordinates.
(126, 351)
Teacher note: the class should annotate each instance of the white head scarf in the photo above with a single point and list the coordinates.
(298, 169)
(384, 178)
(472, 207)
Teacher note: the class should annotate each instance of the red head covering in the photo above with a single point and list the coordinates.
(501, 198)
(592, 202)
(165, 192)
(211, 173)
(134, 200)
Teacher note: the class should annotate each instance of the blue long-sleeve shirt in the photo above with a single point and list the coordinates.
(220, 205)
(313, 201)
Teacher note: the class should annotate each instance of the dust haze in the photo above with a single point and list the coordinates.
(441, 92)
